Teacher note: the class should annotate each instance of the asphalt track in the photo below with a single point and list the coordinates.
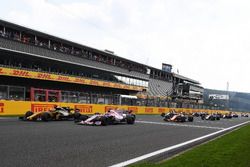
(62, 143)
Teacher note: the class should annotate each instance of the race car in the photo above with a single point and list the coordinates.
(58, 113)
(196, 114)
(109, 118)
(227, 116)
(234, 115)
(176, 117)
(244, 115)
(211, 117)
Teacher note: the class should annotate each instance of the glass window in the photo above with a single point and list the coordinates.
(133, 82)
(100, 99)
(3, 92)
(73, 97)
(119, 78)
(53, 96)
(127, 80)
(16, 93)
(65, 97)
(94, 99)
(40, 95)
(84, 98)
(108, 99)
(116, 99)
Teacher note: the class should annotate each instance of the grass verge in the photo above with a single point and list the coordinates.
(230, 150)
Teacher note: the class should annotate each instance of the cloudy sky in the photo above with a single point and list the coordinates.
(206, 40)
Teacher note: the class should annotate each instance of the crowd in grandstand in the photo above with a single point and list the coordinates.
(64, 48)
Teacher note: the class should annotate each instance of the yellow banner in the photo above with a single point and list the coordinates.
(61, 78)
(8, 108)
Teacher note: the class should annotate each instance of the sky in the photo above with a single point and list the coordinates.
(206, 40)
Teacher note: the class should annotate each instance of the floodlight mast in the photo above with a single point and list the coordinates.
(227, 108)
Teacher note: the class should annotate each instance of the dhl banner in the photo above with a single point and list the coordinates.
(8, 108)
(61, 78)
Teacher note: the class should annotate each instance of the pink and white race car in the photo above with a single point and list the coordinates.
(109, 118)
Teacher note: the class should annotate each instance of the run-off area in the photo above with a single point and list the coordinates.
(62, 143)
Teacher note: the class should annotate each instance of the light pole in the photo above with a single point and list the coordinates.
(228, 96)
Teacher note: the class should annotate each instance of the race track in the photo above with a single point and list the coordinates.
(62, 143)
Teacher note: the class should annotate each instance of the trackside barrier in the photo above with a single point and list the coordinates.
(20, 107)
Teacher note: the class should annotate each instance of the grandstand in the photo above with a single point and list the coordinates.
(35, 66)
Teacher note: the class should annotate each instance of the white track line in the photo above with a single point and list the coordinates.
(134, 160)
(175, 124)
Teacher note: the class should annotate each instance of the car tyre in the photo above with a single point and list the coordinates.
(190, 119)
(130, 120)
(77, 115)
(45, 116)
(104, 121)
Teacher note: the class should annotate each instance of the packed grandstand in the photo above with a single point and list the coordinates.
(36, 66)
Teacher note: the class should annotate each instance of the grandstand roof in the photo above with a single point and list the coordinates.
(185, 78)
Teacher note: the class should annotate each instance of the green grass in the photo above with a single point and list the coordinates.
(230, 150)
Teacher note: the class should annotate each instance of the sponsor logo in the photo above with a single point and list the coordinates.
(84, 108)
(133, 109)
(161, 110)
(79, 80)
(43, 76)
(106, 84)
(126, 87)
(218, 97)
(41, 107)
(1, 107)
(149, 110)
(20, 73)
(94, 82)
(117, 86)
(134, 87)
(107, 108)
(1, 71)
(63, 78)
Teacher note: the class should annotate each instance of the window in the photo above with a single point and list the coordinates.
(3, 92)
(16, 93)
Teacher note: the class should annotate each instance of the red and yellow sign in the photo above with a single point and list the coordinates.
(149, 110)
(87, 109)
(1, 107)
(107, 108)
(61, 78)
(161, 110)
(42, 107)
(133, 109)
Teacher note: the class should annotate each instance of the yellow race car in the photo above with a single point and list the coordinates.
(58, 113)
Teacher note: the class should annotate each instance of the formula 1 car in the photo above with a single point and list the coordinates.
(211, 117)
(174, 117)
(234, 115)
(244, 115)
(59, 113)
(109, 118)
(230, 115)
(227, 116)
(196, 114)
